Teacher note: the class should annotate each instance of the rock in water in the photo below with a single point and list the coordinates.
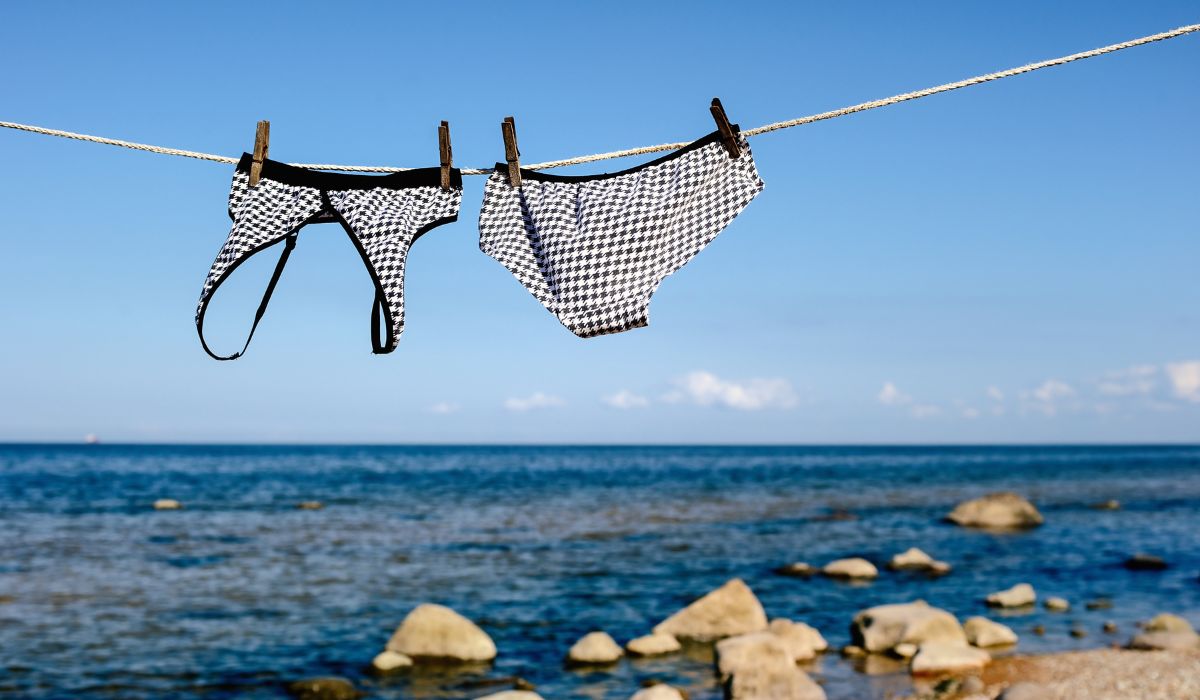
(945, 657)
(759, 666)
(1145, 562)
(661, 691)
(804, 642)
(653, 645)
(1018, 596)
(730, 610)
(331, 688)
(1057, 604)
(310, 505)
(1166, 622)
(594, 649)
(853, 568)
(167, 504)
(1111, 504)
(437, 632)
(882, 627)
(512, 695)
(1166, 631)
(388, 661)
(797, 569)
(982, 632)
(999, 511)
(916, 560)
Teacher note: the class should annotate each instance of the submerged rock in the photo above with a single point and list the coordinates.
(388, 661)
(1018, 596)
(653, 645)
(945, 657)
(759, 666)
(1111, 504)
(802, 641)
(914, 559)
(660, 691)
(1078, 632)
(999, 511)
(1145, 562)
(594, 648)
(882, 627)
(727, 611)
(167, 504)
(983, 632)
(437, 632)
(852, 568)
(310, 505)
(797, 569)
(1056, 604)
(1109, 627)
(330, 688)
(1099, 604)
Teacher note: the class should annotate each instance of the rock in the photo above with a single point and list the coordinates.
(1078, 632)
(1018, 596)
(906, 650)
(512, 695)
(945, 657)
(853, 568)
(1110, 627)
(1145, 562)
(1026, 690)
(437, 632)
(1166, 622)
(1000, 511)
(661, 691)
(1099, 604)
(983, 632)
(653, 645)
(1111, 504)
(797, 569)
(881, 628)
(972, 685)
(594, 648)
(167, 504)
(1155, 641)
(853, 651)
(388, 661)
(1057, 604)
(727, 611)
(801, 640)
(759, 666)
(331, 688)
(1039, 630)
(916, 560)
(310, 505)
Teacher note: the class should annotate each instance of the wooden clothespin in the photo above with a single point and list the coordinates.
(262, 139)
(511, 153)
(727, 136)
(446, 153)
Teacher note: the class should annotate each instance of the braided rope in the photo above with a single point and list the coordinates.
(862, 107)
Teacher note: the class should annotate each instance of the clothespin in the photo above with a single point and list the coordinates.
(511, 153)
(727, 136)
(446, 153)
(262, 138)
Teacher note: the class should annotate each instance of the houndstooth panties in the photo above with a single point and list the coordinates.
(593, 249)
(383, 216)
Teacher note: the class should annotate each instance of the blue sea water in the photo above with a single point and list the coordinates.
(241, 592)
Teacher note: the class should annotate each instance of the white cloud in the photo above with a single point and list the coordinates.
(533, 401)
(707, 389)
(1134, 381)
(1047, 397)
(444, 407)
(995, 394)
(1185, 379)
(889, 395)
(626, 399)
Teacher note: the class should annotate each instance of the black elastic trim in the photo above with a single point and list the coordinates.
(322, 180)
(289, 242)
(540, 176)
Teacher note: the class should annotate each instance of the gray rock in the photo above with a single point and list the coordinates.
(881, 628)
(983, 632)
(852, 568)
(653, 645)
(804, 642)
(915, 559)
(759, 666)
(1018, 596)
(727, 611)
(329, 688)
(946, 657)
(1056, 604)
(999, 511)
(594, 648)
(437, 632)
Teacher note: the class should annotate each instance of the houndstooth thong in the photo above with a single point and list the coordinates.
(382, 214)
(593, 249)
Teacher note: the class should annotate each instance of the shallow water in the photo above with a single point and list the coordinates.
(241, 592)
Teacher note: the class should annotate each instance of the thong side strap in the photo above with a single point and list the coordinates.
(288, 244)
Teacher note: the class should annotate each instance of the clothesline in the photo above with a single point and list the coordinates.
(862, 107)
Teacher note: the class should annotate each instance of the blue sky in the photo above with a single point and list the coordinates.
(1015, 262)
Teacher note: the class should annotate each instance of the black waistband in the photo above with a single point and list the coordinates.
(330, 181)
(548, 177)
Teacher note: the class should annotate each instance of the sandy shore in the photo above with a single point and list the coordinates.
(1100, 674)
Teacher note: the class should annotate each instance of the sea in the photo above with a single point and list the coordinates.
(240, 592)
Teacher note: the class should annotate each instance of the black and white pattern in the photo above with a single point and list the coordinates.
(383, 222)
(594, 249)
